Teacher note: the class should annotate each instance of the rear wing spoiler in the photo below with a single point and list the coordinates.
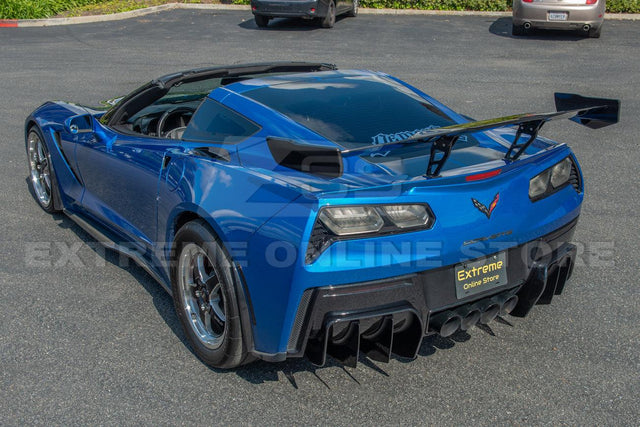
(326, 161)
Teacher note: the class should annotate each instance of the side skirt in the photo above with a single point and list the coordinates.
(107, 239)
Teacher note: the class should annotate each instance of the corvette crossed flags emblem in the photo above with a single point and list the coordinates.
(482, 208)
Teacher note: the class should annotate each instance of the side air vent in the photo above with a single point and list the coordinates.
(320, 239)
(574, 178)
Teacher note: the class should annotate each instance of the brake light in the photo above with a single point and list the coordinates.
(592, 1)
(531, 1)
(483, 175)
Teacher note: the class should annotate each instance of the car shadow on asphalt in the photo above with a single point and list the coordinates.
(261, 372)
(502, 27)
(162, 301)
(258, 372)
(287, 24)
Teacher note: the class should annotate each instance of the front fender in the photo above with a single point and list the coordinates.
(49, 118)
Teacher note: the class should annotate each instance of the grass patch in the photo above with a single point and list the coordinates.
(616, 6)
(33, 9)
(483, 5)
(116, 6)
(111, 6)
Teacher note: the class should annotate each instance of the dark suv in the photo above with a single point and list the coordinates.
(323, 10)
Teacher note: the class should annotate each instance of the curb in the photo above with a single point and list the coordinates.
(14, 23)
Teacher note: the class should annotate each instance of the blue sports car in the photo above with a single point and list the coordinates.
(292, 209)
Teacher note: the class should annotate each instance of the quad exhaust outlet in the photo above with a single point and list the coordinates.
(399, 329)
(446, 323)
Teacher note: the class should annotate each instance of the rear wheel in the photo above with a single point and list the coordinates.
(330, 19)
(41, 175)
(594, 33)
(354, 9)
(203, 282)
(261, 21)
(517, 30)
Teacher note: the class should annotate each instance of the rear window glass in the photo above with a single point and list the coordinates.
(213, 122)
(353, 110)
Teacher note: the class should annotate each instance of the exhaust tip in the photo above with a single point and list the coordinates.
(509, 305)
(446, 323)
(490, 312)
(586, 28)
(527, 25)
(470, 320)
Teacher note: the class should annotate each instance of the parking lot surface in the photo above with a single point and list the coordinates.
(85, 340)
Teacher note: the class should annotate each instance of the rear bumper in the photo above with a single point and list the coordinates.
(289, 9)
(537, 14)
(393, 315)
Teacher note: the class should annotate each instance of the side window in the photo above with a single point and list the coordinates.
(213, 122)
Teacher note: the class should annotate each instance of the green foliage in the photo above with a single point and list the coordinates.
(623, 6)
(614, 6)
(32, 9)
(487, 5)
(114, 6)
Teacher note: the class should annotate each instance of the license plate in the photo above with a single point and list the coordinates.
(558, 16)
(481, 275)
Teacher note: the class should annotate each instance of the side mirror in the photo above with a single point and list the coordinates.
(82, 123)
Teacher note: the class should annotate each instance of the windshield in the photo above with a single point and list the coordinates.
(353, 110)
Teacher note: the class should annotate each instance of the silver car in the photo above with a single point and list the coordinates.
(586, 16)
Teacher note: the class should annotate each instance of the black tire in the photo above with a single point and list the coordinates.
(330, 19)
(42, 177)
(517, 30)
(594, 33)
(262, 21)
(354, 9)
(199, 255)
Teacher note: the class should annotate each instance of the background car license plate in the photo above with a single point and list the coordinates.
(558, 16)
(481, 275)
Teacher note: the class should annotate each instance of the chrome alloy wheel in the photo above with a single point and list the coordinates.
(39, 169)
(202, 296)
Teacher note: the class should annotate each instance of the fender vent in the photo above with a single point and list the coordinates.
(574, 178)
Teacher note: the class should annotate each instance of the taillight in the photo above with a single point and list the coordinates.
(531, 1)
(592, 1)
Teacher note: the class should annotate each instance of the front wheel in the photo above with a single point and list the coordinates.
(261, 21)
(41, 175)
(203, 281)
(330, 19)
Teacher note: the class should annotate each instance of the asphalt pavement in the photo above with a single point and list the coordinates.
(86, 340)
